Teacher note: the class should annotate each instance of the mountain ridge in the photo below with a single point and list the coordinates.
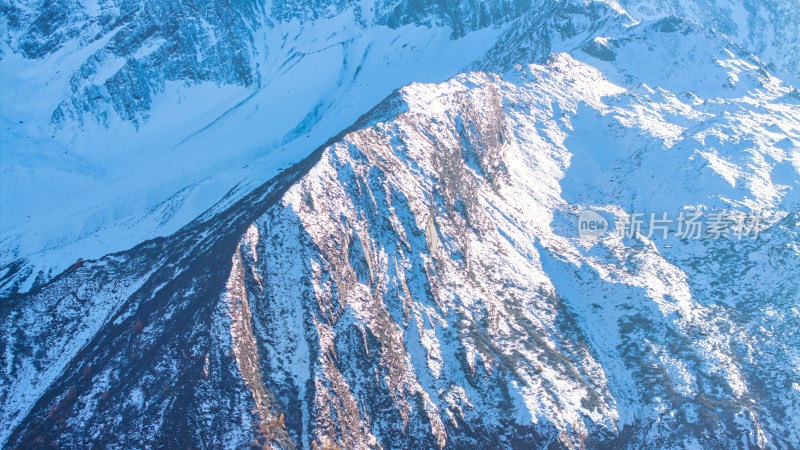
(421, 280)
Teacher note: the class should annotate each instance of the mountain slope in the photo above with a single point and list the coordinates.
(768, 28)
(420, 281)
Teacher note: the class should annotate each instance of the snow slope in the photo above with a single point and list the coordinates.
(767, 28)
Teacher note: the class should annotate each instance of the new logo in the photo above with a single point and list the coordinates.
(591, 224)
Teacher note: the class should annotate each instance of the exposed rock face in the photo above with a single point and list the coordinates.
(133, 47)
(555, 27)
(419, 282)
(136, 348)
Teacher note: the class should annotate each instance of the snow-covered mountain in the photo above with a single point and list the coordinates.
(417, 280)
(123, 121)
